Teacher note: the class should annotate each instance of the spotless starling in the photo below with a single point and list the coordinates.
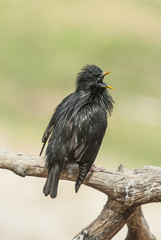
(77, 128)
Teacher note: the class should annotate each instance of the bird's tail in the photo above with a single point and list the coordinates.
(51, 185)
(83, 170)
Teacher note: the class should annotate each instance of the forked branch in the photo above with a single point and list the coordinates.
(126, 191)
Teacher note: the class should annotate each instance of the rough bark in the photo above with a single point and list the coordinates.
(126, 191)
(138, 227)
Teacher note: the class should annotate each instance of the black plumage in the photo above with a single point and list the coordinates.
(77, 128)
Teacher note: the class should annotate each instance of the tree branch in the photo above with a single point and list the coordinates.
(126, 190)
(138, 227)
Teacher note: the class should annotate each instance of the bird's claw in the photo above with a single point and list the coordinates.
(95, 169)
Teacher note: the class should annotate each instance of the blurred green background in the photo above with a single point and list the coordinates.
(44, 44)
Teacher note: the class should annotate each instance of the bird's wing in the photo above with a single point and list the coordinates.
(85, 162)
(58, 116)
(47, 133)
(90, 130)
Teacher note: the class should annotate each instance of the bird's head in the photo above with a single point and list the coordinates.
(91, 77)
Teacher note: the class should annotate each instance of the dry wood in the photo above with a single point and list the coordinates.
(138, 227)
(126, 191)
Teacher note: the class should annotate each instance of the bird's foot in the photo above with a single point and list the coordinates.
(95, 169)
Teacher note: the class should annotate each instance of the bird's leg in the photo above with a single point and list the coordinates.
(95, 169)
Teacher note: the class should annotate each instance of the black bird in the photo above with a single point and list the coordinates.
(77, 127)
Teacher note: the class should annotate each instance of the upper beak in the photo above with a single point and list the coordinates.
(105, 73)
(107, 86)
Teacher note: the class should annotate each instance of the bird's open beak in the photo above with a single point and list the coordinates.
(107, 86)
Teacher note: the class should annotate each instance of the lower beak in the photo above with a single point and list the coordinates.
(107, 86)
